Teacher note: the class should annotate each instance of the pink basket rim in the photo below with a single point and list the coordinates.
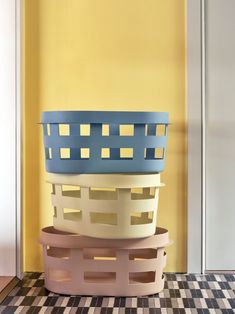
(52, 237)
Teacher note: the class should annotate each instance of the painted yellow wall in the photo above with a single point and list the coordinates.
(108, 55)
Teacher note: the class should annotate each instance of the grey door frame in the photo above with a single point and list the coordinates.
(196, 92)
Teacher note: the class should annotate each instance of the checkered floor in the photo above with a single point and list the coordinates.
(182, 294)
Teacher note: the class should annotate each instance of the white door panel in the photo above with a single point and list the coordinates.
(220, 136)
(7, 140)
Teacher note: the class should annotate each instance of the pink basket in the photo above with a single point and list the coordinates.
(80, 265)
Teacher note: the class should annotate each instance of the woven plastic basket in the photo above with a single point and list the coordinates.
(104, 142)
(110, 206)
(80, 265)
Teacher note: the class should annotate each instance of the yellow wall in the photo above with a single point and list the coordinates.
(108, 55)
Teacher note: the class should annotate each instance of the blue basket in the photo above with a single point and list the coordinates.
(104, 141)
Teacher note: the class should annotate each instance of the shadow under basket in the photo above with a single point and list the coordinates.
(109, 206)
(104, 141)
(78, 265)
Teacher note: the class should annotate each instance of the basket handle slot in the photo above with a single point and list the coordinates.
(155, 129)
(142, 254)
(72, 214)
(57, 252)
(142, 218)
(99, 254)
(71, 191)
(143, 193)
(142, 277)
(154, 153)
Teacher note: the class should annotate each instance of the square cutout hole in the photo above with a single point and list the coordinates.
(142, 277)
(105, 153)
(154, 153)
(141, 218)
(55, 211)
(142, 254)
(65, 153)
(150, 129)
(58, 252)
(64, 129)
(161, 130)
(159, 153)
(72, 214)
(137, 194)
(105, 129)
(48, 152)
(126, 153)
(142, 193)
(53, 189)
(99, 254)
(85, 129)
(71, 191)
(48, 128)
(126, 130)
(85, 153)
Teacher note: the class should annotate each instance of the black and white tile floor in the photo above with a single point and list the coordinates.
(182, 294)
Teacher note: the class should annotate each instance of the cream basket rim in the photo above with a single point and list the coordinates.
(107, 180)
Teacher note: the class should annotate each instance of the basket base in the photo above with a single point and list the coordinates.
(134, 289)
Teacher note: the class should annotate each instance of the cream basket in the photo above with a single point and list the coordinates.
(79, 265)
(110, 206)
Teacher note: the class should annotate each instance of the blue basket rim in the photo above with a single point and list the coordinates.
(115, 117)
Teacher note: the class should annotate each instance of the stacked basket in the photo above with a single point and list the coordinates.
(104, 168)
